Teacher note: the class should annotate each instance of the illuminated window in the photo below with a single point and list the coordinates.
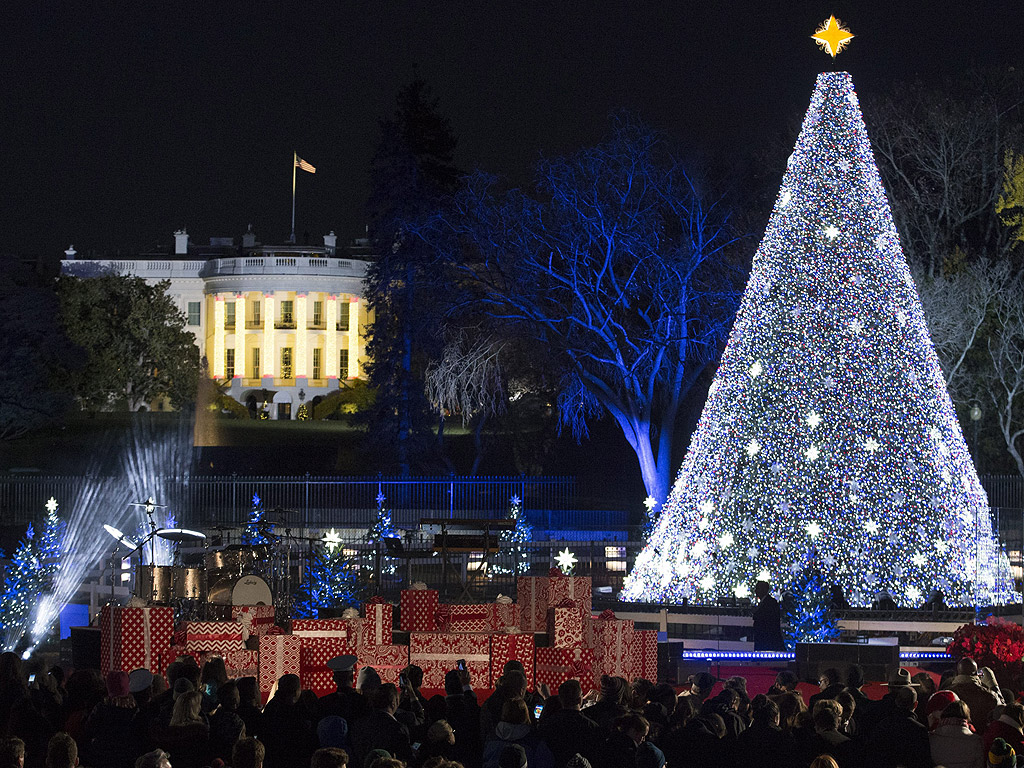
(287, 313)
(256, 312)
(286, 362)
(316, 363)
(475, 562)
(229, 363)
(343, 363)
(193, 312)
(256, 373)
(229, 315)
(342, 316)
(318, 313)
(615, 558)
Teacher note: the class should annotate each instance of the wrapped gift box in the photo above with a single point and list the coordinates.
(135, 638)
(578, 589)
(279, 655)
(219, 636)
(644, 655)
(417, 608)
(255, 619)
(611, 640)
(532, 597)
(376, 628)
(340, 629)
(504, 616)
(556, 665)
(438, 652)
(465, 618)
(387, 660)
(242, 663)
(314, 653)
(508, 646)
(565, 625)
(173, 653)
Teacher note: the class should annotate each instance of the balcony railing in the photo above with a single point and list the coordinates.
(285, 325)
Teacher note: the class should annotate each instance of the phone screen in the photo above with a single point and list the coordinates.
(462, 665)
(537, 710)
(32, 678)
(416, 746)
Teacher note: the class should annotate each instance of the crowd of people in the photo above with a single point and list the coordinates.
(199, 717)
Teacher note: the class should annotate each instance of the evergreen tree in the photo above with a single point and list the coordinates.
(412, 170)
(828, 425)
(50, 543)
(255, 529)
(330, 582)
(517, 540)
(380, 530)
(808, 612)
(22, 588)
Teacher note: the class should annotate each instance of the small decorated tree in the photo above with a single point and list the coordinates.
(22, 588)
(255, 529)
(517, 540)
(809, 613)
(330, 582)
(380, 530)
(50, 543)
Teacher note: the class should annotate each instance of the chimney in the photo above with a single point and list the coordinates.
(70, 253)
(331, 243)
(180, 242)
(249, 238)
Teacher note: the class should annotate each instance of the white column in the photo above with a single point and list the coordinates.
(217, 370)
(268, 364)
(331, 337)
(300, 336)
(239, 335)
(353, 338)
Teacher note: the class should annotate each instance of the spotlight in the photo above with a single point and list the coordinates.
(121, 538)
(27, 654)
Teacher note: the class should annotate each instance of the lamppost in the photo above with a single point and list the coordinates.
(976, 415)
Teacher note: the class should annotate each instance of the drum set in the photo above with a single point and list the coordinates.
(206, 574)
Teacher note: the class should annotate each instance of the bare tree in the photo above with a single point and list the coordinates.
(1006, 381)
(617, 266)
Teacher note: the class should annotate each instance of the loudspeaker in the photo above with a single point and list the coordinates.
(880, 662)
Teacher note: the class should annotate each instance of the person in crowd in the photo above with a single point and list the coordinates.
(848, 706)
(826, 716)
(411, 712)
(953, 742)
(830, 683)
(249, 705)
(214, 674)
(726, 706)
(936, 703)
(1001, 755)
(85, 689)
(329, 757)
(156, 758)
(900, 739)
(414, 674)
(511, 685)
(248, 753)
(791, 707)
(61, 752)
(462, 713)
(739, 685)
(12, 752)
(379, 729)
(332, 733)
(925, 688)
(968, 686)
(612, 703)
(648, 755)
(13, 685)
(763, 742)
(286, 730)
(111, 736)
(187, 736)
(1008, 726)
(701, 685)
(515, 728)
(226, 727)
(43, 691)
(824, 761)
(785, 682)
(568, 731)
(767, 620)
(439, 741)
(884, 708)
(855, 681)
(988, 679)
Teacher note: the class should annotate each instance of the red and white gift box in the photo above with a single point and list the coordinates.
(376, 628)
(255, 619)
(611, 640)
(340, 629)
(504, 616)
(465, 618)
(417, 609)
(219, 636)
(532, 597)
(578, 589)
(387, 660)
(565, 625)
(134, 638)
(508, 646)
(242, 663)
(438, 652)
(556, 665)
(644, 655)
(279, 655)
(314, 653)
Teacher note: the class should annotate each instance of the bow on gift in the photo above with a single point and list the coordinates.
(607, 615)
(418, 585)
(376, 600)
(443, 614)
(350, 613)
(503, 599)
(578, 668)
(555, 572)
(567, 603)
(275, 630)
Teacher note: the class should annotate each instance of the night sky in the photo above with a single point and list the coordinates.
(121, 121)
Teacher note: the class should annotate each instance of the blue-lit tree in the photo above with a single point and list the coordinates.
(255, 529)
(330, 582)
(808, 614)
(516, 541)
(828, 425)
(381, 529)
(22, 588)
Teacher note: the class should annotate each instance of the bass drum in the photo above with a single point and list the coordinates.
(244, 590)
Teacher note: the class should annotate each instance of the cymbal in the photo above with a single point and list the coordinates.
(181, 535)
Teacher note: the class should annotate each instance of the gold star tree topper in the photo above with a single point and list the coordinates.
(832, 36)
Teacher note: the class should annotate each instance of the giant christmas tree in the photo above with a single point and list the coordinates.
(828, 439)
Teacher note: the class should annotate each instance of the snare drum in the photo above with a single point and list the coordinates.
(238, 559)
(155, 583)
(190, 583)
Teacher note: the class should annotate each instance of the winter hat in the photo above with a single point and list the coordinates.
(368, 680)
(512, 756)
(901, 678)
(1002, 755)
(332, 731)
(117, 684)
(649, 756)
(613, 688)
(938, 702)
(374, 755)
(578, 761)
(139, 680)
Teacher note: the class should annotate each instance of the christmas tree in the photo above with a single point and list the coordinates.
(827, 425)
(22, 587)
(50, 543)
(808, 613)
(329, 581)
(380, 530)
(255, 529)
(516, 541)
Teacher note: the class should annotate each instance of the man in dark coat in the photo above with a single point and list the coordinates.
(346, 702)
(462, 712)
(380, 729)
(767, 620)
(288, 735)
(900, 739)
(829, 686)
(567, 730)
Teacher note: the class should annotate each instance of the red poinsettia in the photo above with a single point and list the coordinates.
(998, 644)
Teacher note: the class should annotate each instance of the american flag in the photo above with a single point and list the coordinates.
(300, 163)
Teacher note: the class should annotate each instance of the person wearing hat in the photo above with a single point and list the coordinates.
(968, 686)
(110, 735)
(900, 738)
(346, 702)
(1001, 755)
(1009, 727)
(953, 741)
(937, 702)
(286, 732)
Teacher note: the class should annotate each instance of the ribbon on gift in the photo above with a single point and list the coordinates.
(555, 573)
(607, 615)
(418, 586)
(503, 599)
(275, 630)
(443, 615)
(350, 613)
(483, 658)
(376, 600)
(567, 603)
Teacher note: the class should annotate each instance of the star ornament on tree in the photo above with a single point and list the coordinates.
(332, 540)
(832, 37)
(566, 560)
(51, 505)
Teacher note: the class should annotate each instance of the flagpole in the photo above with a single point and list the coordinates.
(295, 162)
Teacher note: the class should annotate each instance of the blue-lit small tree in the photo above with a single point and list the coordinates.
(517, 540)
(22, 588)
(255, 529)
(808, 612)
(330, 582)
(381, 529)
(50, 542)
